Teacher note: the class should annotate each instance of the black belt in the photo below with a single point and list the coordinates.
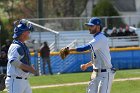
(18, 77)
(100, 70)
(104, 70)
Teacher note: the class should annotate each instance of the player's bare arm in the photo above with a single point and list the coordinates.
(85, 66)
(22, 66)
(28, 68)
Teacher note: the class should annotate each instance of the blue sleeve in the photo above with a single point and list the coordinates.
(83, 48)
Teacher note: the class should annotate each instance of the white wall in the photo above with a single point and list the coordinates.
(133, 20)
(138, 6)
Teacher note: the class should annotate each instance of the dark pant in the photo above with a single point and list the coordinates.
(3, 69)
(47, 60)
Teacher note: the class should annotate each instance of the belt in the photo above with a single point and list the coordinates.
(100, 70)
(104, 70)
(18, 77)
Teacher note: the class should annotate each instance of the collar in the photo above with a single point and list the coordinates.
(18, 41)
(96, 34)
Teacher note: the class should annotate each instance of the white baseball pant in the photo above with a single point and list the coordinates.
(102, 82)
(15, 85)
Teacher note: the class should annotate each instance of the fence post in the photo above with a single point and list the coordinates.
(129, 20)
(81, 24)
(0, 39)
(39, 63)
(56, 42)
(84, 40)
(112, 42)
(106, 21)
(75, 44)
(39, 36)
(138, 40)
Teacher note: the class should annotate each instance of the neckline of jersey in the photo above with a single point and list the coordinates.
(96, 34)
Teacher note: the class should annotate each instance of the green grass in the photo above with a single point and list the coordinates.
(65, 89)
(127, 73)
(126, 87)
(59, 79)
(118, 87)
(78, 77)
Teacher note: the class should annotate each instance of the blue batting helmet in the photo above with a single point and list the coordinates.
(21, 26)
(93, 21)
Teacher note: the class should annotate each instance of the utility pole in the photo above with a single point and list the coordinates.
(0, 39)
(40, 15)
(40, 8)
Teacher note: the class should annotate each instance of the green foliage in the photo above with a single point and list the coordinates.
(13, 10)
(105, 8)
(6, 30)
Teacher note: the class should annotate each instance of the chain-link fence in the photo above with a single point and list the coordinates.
(77, 23)
(59, 32)
(71, 31)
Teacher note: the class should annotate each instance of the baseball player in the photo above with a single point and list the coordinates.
(19, 66)
(101, 58)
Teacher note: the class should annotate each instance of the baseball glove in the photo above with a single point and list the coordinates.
(64, 52)
(2, 81)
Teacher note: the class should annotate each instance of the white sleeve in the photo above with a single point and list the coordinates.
(96, 43)
(13, 54)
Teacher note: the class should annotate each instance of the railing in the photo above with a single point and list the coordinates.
(72, 44)
(124, 41)
(52, 47)
(41, 28)
(77, 40)
(43, 25)
(47, 29)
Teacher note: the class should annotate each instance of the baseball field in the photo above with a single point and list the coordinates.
(126, 81)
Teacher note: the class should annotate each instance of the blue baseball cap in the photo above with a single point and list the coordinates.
(93, 21)
(23, 25)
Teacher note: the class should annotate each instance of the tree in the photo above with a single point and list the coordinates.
(64, 8)
(5, 33)
(105, 8)
(16, 9)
